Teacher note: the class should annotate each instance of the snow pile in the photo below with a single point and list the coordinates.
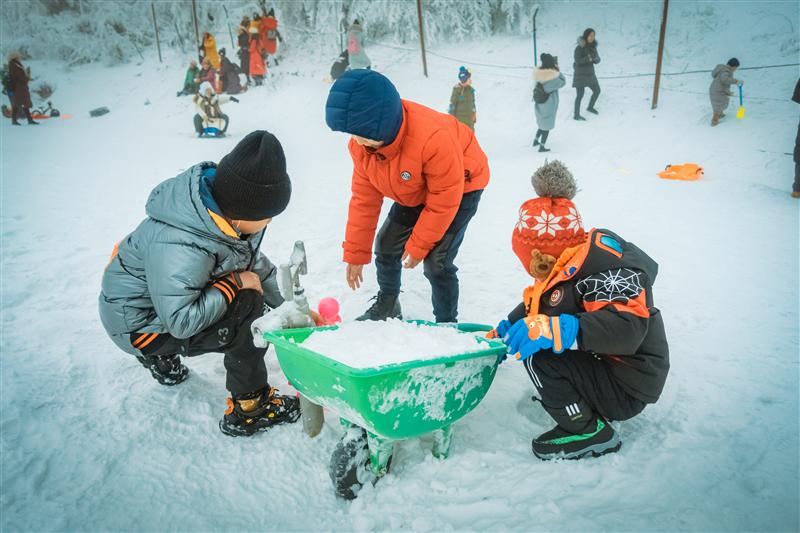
(374, 344)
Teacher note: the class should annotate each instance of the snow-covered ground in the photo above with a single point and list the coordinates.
(91, 442)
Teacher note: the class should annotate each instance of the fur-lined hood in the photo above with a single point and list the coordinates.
(543, 75)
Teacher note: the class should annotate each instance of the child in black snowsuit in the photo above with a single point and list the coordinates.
(587, 331)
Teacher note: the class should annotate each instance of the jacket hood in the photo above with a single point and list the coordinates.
(543, 75)
(178, 202)
(365, 103)
(719, 68)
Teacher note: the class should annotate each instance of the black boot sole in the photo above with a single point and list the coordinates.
(247, 431)
(592, 451)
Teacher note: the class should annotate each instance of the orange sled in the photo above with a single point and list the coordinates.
(685, 172)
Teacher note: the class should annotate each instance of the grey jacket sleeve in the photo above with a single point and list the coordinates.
(179, 281)
(269, 280)
(726, 79)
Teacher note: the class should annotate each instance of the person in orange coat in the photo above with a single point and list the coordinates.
(210, 50)
(430, 164)
(269, 34)
(257, 67)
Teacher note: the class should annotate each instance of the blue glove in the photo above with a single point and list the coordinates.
(541, 332)
(502, 328)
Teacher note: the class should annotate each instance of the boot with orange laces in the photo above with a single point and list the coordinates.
(258, 411)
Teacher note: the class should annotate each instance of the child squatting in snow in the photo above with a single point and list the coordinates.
(587, 330)
(190, 279)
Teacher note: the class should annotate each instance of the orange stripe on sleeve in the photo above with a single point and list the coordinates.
(226, 292)
(555, 329)
(148, 341)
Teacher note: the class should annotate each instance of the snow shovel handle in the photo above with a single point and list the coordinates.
(740, 95)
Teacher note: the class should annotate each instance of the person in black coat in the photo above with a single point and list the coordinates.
(243, 40)
(18, 78)
(586, 57)
(229, 74)
(796, 186)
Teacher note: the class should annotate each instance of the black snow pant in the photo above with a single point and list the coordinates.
(541, 136)
(244, 363)
(439, 266)
(576, 386)
(595, 87)
(244, 61)
(198, 123)
(796, 185)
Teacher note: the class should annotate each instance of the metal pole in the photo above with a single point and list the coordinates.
(228, 21)
(422, 38)
(196, 31)
(155, 25)
(661, 36)
(535, 53)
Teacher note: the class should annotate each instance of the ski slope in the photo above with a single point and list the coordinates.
(90, 441)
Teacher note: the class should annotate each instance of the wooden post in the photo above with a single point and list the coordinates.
(422, 38)
(660, 53)
(535, 52)
(196, 31)
(155, 25)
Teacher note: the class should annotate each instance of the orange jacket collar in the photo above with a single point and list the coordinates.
(568, 264)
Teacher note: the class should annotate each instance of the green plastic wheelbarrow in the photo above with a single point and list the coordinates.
(392, 402)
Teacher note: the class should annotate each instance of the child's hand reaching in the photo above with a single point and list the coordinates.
(542, 332)
(249, 280)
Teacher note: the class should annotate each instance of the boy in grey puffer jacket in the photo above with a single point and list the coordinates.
(190, 279)
(720, 90)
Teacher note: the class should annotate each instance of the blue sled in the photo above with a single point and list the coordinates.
(213, 132)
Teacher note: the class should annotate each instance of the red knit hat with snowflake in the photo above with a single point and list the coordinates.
(550, 223)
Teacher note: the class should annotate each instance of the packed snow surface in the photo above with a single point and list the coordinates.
(90, 442)
(373, 344)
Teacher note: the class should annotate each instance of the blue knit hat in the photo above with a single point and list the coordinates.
(464, 74)
(365, 103)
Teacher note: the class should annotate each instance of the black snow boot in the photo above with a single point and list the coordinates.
(166, 369)
(350, 467)
(592, 110)
(258, 411)
(385, 306)
(598, 439)
(578, 117)
(543, 149)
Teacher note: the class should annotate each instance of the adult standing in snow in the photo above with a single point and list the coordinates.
(18, 78)
(433, 168)
(720, 90)
(796, 186)
(257, 67)
(548, 80)
(243, 40)
(355, 47)
(462, 99)
(269, 34)
(191, 279)
(209, 113)
(210, 49)
(586, 57)
(228, 74)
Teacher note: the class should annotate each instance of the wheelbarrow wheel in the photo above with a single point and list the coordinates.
(350, 466)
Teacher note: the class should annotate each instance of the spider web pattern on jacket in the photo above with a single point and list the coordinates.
(618, 285)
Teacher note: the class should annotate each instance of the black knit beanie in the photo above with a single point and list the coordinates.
(251, 181)
(733, 62)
